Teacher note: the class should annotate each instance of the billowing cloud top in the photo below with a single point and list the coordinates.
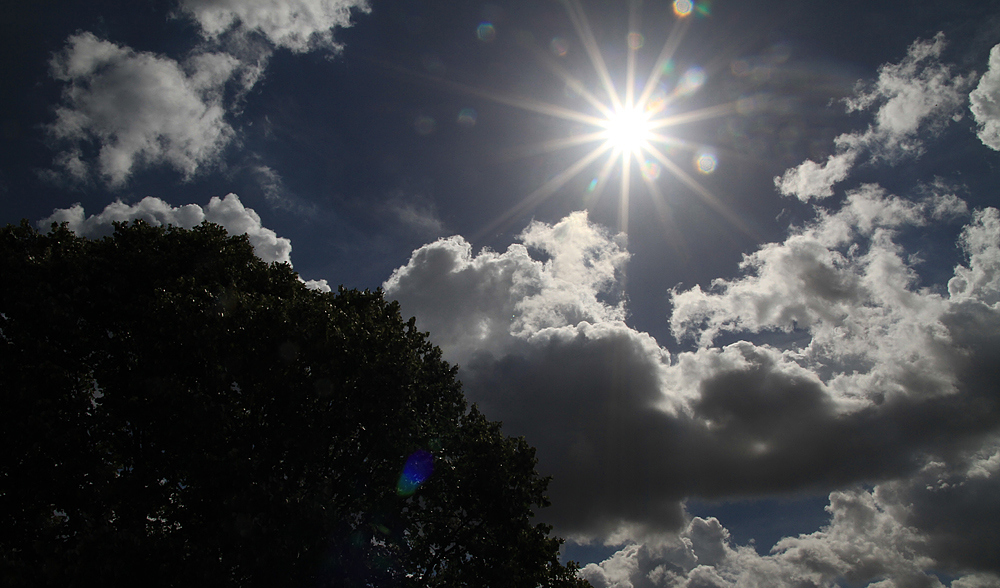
(228, 212)
(483, 303)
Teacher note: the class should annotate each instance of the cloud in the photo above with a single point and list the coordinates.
(122, 109)
(984, 102)
(417, 216)
(847, 372)
(885, 380)
(863, 542)
(916, 97)
(484, 302)
(298, 25)
(882, 378)
(228, 212)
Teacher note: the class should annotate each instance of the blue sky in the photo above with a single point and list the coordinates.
(753, 330)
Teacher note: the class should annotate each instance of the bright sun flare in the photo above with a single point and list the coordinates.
(627, 126)
(629, 129)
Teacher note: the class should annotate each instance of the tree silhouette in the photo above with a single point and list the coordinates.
(176, 412)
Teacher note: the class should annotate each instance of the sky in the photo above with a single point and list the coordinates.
(733, 267)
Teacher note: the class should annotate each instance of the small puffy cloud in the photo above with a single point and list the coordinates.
(122, 109)
(984, 102)
(917, 96)
(320, 285)
(228, 212)
(298, 25)
(812, 180)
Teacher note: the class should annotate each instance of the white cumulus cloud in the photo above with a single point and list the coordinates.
(880, 380)
(122, 109)
(984, 102)
(512, 294)
(916, 97)
(228, 212)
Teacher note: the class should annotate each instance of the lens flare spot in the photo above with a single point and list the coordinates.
(559, 46)
(417, 469)
(703, 8)
(635, 40)
(486, 32)
(657, 102)
(467, 117)
(433, 64)
(667, 67)
(424, 125)
(592, 186)
(683, 8)
(706, 163)
(692, 79)
(650, 170)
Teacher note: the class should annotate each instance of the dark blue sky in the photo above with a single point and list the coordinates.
(766, 339)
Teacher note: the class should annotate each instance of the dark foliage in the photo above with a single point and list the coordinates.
(176, 412)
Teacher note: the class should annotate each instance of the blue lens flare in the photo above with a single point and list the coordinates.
(418, 468)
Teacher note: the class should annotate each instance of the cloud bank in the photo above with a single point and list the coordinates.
(851, 375)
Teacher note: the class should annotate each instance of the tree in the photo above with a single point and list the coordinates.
(178, 412)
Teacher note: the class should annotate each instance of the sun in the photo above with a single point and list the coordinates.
(628, 125)
(628, 129)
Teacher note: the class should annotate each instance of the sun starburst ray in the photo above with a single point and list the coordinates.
(546, 190)
(666, 54)
(598, 184)
(705, 194)
(582, 26)
(572, 82)
(553, 145)
(693, 116)
(623, 200)
(633, 47)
